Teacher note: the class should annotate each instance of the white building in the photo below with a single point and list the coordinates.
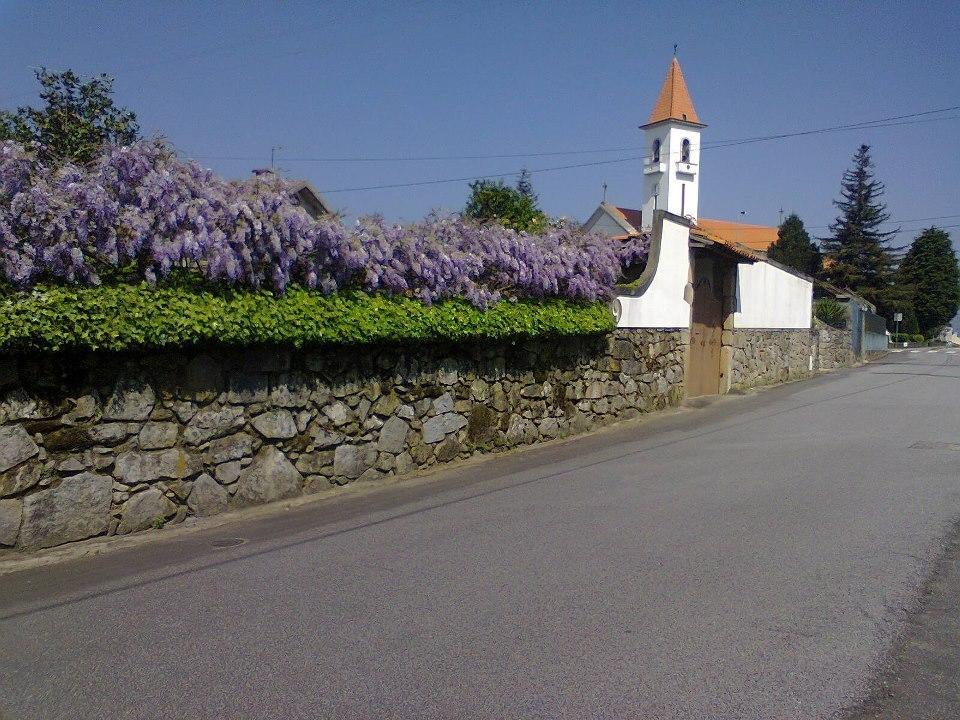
(705, 275)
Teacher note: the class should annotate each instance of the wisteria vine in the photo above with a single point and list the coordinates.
(140, 210)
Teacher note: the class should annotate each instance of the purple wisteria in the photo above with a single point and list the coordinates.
(138, 211)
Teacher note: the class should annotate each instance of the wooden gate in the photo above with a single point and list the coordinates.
(706, 326)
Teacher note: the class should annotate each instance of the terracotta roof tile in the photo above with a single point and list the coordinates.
(632, 217)
(674, 101)
(755, 237)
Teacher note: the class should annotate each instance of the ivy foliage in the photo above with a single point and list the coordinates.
(131, 317)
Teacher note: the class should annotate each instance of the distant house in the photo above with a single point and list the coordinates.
(304, 194)
(309, 198)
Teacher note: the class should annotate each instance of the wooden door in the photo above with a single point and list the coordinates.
(706, 327)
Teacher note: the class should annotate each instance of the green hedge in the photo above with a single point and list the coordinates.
(907, 337)
(123, 317)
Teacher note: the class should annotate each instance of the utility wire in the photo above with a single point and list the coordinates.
(864, 124)
(731, 143)
(895, 222)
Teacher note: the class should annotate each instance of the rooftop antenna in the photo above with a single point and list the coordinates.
(675, 46)
(274, 151)
(604, 190)
(781, 216)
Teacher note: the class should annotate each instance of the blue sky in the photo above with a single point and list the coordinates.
(226, 81)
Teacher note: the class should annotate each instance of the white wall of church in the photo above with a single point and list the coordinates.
(771, 298)
(663, 304)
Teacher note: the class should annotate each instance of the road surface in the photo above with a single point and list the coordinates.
(752, 559)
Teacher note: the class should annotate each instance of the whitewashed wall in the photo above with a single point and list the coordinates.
(663, 304)
(771, 298)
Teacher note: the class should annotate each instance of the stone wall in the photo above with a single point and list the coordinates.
(835, 347)
(99, 444)
(764, 357)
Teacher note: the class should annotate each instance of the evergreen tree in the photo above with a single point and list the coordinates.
(858, 253)
(78, 117)
(514, 208)
(794, 247)
(929, 272)
(525, 186)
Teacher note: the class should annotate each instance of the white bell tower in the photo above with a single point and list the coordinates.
(671, 168)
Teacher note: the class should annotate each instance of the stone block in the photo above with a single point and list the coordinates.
(275, 424)
(338, 413)
(438, 427)
(351, 461)
(16, 446)
(393, 435)
(132, 399)
(158, 435)
(143, 509)
(228, 472)
(207, 497)
(212, 423)
(10, 513)
(448, 450)
(134, 467)
(443, 404)
(404, 464)
(78, 508)
(232, 447)
(269, 477)
(314, 463)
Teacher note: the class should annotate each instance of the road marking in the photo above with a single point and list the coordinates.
(951, 352)
(896, 351)
(914, 352)
(932, 351)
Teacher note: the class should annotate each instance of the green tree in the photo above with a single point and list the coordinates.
(929, 272)
(516, 208)
(858, 252)
(78, 116)
(795, 248)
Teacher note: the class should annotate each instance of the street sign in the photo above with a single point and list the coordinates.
(898, 317)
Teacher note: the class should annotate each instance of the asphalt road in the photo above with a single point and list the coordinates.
(752, 559)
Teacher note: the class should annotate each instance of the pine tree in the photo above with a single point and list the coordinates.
(794, 247)
(525, 186)
(929, 272)
(858, 253)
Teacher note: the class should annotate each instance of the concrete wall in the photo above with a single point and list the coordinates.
(103, 444)
(771, 298)
(663, 303)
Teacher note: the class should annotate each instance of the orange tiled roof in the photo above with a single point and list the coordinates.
(755, 237)
(632, 217)
(674, 101)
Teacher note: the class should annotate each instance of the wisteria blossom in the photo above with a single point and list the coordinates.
(140, 211)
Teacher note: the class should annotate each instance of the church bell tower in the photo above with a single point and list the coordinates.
(671, 168)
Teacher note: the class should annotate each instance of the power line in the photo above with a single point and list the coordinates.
(482, 177)
(864, 124)
(896, 222)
